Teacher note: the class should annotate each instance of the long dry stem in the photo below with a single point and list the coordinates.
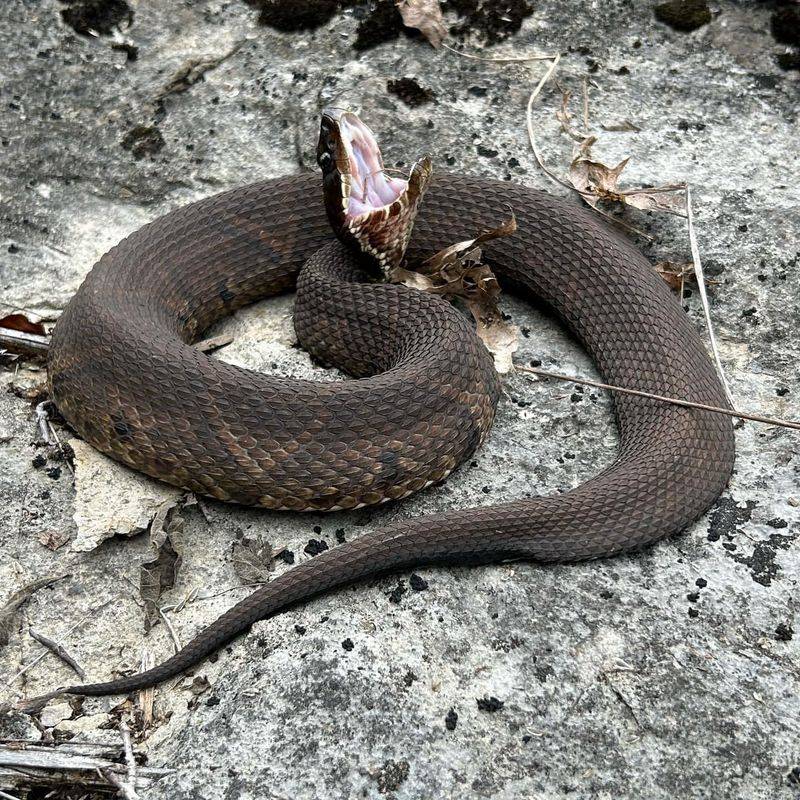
(701, 285)
(677, 401)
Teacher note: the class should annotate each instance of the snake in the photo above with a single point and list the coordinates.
(420, 391)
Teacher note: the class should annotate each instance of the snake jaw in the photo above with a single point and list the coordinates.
(366, 207)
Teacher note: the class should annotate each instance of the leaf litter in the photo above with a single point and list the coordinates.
(458, 272)
(596, 182)
(160, 572)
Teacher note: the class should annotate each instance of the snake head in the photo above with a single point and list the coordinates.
(368, 209)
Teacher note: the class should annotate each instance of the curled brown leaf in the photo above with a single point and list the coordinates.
(426, 17)
(598, 182)
(20, 322)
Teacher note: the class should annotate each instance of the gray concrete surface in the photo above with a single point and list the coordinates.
(673, 673)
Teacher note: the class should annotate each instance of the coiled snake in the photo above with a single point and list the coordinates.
(124, 374)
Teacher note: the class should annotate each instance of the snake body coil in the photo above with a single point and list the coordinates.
(124, 375)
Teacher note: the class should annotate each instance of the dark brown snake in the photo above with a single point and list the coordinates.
(124, 374)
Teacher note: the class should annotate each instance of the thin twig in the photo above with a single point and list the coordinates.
(586, 104)
(701, 285)
(176, 642)
(146, 696)
(130, 760)
(7, 796)
(60, 651)
(123, 788)
(529, 120)
(38, 658)
(190, 597)
(503, 59)
(213, 343)
(783, 423)
(24, 344)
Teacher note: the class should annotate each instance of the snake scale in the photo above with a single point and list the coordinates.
(123, 372)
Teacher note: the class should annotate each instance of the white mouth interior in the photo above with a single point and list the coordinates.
(370, 187)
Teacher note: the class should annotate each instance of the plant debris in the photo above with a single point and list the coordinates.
(159, 573)
(53, 539)
(426, 17)
(252, 559)
(17, 600)
(23, 324)
(624, 126)
(60, 652)
(193, 71)
(675, 275)
(597, 182)
(457, 271)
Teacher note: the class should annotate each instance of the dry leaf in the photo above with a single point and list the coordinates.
(450, 255)
(662, 198)
(676, 275)
(252, 559)
(624, 126)
(565, 118)
(159, 574)
(500, 337)
(53, 539)
(426, 17)
(19, 322)
(457, 271)
(596, 181)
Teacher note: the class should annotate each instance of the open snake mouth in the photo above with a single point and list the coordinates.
(367, 207)
(367, 186)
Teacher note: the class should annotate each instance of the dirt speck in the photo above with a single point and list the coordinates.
(286, 15)
(392, 775)
(495, 19)
(143, 140)
(410, 91)
(489, 704)
(684, 15)
(99, 16)
(785, 25)
(382, 24)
